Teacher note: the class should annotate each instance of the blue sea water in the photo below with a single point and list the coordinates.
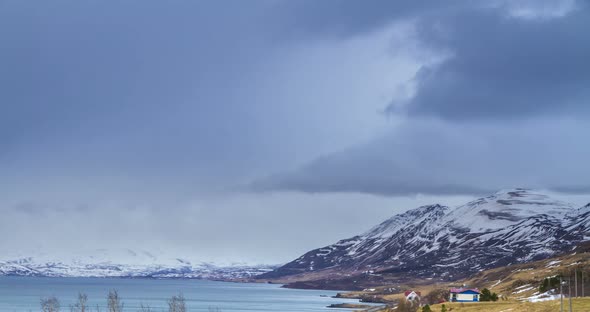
(25, 293)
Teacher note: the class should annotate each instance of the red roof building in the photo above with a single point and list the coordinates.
(412, 295)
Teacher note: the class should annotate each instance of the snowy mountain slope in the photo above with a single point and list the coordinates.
(372, 246)
(506, 208)
(120, 263)
(510, 226)
(580, 222)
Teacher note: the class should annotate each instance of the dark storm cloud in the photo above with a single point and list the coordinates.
(126, 89)
(154, 111)
(504, 67)
(506, 106)
(341, 18)
(140, 109)
(508, 59)
(433, 157)
(193, 93)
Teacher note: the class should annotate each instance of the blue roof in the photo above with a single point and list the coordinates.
(468, 291)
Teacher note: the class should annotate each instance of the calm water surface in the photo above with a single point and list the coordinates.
(24, 293)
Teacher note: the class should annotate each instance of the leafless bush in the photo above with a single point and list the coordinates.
(438, 295)
(50, 304)
(144, 308)
(81, 304)
(114, 303)
(177, 304)
(407, 305)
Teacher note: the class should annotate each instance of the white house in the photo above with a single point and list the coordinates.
(464, 295)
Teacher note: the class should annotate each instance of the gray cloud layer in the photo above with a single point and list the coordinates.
(507, 58)
(139, 110)
(505, 67)
(154, 111)
(433, 157)
(506, 107)
(341, 19)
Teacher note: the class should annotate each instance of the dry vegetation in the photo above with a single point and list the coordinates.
(578, 305)
(176, 303)
(512, 283)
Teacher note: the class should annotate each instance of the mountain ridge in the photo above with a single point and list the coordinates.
(428, 242)
(437, 242)
(125, 263)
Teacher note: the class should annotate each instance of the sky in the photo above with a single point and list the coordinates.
(253, 131)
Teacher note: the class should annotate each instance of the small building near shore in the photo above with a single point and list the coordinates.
(412, 295)
(464, 295)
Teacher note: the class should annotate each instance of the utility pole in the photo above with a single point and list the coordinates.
(576, 280)
(569, 288)
(582, 282)
(561, 292)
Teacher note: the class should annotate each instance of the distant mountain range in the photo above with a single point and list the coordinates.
(446, 244)
(123, 263)
(432, 242)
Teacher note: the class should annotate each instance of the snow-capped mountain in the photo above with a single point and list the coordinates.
(508, 227)
(121, 263)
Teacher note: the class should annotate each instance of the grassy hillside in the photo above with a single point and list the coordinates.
(523, 280)
(513, 283)
(578, 305)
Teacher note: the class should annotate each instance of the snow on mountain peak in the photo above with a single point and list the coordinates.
(505, 208)
(390, 226)
(119, 262)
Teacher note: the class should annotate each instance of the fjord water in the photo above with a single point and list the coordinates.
(24, 294)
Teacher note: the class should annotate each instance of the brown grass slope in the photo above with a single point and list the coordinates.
(513, 283)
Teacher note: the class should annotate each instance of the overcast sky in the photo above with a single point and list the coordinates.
(253, 131)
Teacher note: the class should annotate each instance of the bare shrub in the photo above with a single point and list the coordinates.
(177, 304)
(50, 304)
(408, 305)
(114, 303)
(439, 295)
(81, 304)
